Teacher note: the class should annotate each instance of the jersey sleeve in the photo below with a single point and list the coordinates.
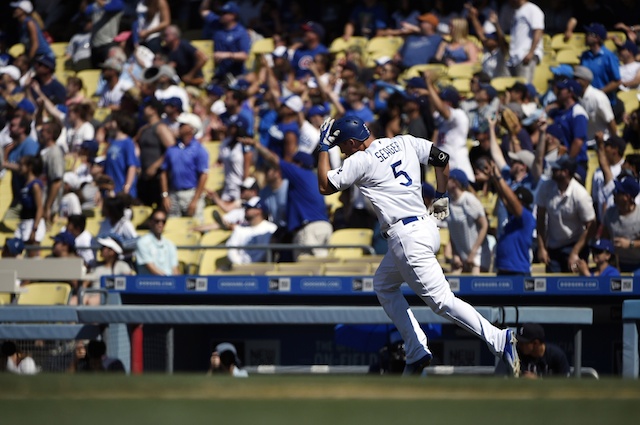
(421, 146)
(349, 173)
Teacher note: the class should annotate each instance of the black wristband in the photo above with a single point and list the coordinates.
(441, 194)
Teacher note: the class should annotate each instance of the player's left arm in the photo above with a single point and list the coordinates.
(440, 162)
(324, 185)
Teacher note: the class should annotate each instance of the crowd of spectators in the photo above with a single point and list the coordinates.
(165, 106)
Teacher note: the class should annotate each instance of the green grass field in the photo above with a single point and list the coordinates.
(333, 400)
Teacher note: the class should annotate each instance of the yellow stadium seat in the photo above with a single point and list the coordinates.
(90, 78)
(16, 50)
(575, 42)
(205, 46)
(101, 114)
(45, 293)
(337, 269)
(188, 257)
(349, 236)
(610, 44)
(140, 214)
(569, 56)
(629, 99)
(541, 77)
(59, 49)
(215, 237)
(462, 70)
(297, 269)
(181, 224)
(254, 268)
(501, 84)
(340, 45)
(212, 260)
(378, 47)
(208, 213)
(463, 85)
(260, 47)
(418, 70)
(5, 299)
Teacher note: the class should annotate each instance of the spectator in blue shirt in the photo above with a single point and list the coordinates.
(312, 46)
(185, 170)
(50, 86)
(604, 64)
(573, 119)
(121, 163)
(30, 32)
(20, 127)
(367, 19)
(421, 48)
(230, 38)
(354, 103)
(603, 255)
(183, 56)
(284, 134)
(513, 251)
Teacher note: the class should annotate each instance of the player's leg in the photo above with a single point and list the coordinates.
(386, 284)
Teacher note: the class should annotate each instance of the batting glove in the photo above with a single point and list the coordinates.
(439, 209)
(327, 139)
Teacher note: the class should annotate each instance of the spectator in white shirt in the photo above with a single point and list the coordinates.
(115, 87)
(597, 105)
(630, 67)
(257, 231)
(525, 47)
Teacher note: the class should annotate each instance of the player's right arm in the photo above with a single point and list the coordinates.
(324, 185)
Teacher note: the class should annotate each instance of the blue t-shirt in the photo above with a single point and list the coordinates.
(610, 271)
(364, 114)
(27, 147)
(276, 203)
(235, 39)
(28, 199)
(605, 67)
(54, 91)
(512, 250)
(184, 164)
(501, 211)
(303, 57)
(574, 125)
(120, 156)
(184, 57)
(305, 204)
(277, 133)
(419, 49)
(43, 46)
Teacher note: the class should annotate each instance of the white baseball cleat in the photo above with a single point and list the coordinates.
(510, 355)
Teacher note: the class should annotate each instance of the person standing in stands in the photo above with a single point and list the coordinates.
(30, 32)
(106, 16)
(525, 47)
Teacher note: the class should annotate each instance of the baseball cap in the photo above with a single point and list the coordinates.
(572, 85)
(524, 156)
(627, 185)
(26, 105)
(280, 52)
(603, 245)
(529, 332)
(428, 191)
(597, 29)
(317, 110)
(90, 146)
(24, 5)
(430, 18)
(563, 70)
(450, 94)
(533, 117)
(459, 176)
(190, 119)
(46, 61)
(12, 71)
(240, 85)
(630, 46)
(14, 245)
(565, 162)
(525, 196)
(304, 159)
(215, 89)
(293, 102)
(71, 179)
(491, 91)
(66, 238)
(250, 183)
(315, 28)
(167, 71)
(532, 91)
(520, 87)
(112, 63)
(351, 66)
(416, 83)
(123, 36)
(583, 72)
(230, 7)
(618, 142)
(111, 243)
(254, 202)
(383, 60)
(176, 102)
(556, 131)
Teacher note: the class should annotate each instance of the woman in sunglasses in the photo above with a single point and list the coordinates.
(602, 253)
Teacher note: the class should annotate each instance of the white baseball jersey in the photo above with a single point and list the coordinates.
(388, 174)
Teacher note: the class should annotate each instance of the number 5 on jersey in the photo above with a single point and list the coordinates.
(397, 173)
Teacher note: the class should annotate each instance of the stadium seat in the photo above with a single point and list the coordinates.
(576, 41)
(541, 77)
(462, 70)
(569, 56)
(215, 237)
(45, 293)
(378, 47)
(501, 84)
(259, 47)
(16, 50)
(207, 214)
(59, 49)
(205, 46)
(340, 269)
(90, 78)
(418, 70)
(188, 257)
(610, 44)
(140, 214)
(180, 224)
(93, 225)
(297, 269)
(349, 237)
(629, 99)
(5, 299)
(254, 268)
(212, 260)
(340, 45)
(463, 85)
(10, 224)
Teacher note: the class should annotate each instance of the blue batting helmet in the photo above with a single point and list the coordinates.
(351, 127)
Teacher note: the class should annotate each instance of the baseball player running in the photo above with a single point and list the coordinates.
(387, 171)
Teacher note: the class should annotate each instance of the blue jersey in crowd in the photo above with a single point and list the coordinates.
(513, 248)
(305, 204)
(574, 126)
(28, 199)
(27, 147)
(235, 39)
(43, 46)
(303, 57)
(277, 133)
(605, 67)
(120, 156)
(184, 164)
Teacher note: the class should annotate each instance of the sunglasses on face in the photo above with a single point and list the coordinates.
(159, 220)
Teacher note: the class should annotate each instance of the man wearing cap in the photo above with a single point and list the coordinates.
(596, 103)
(629, 66)
(184, 171)
(77, 226)
(560, 73)
(166, 86)
(9, 85)
(105, 15)
(622, 224)
(525, 46)
(115, 86)
(121, 163)
(495, 47)
(468, 226)
(183, 56)
(419, 49)
(256, 231)
(224, 359)
(23, 145)
(538, 357)
(566, 218)
(603, 63)
(172, 110)
(230, 38)
(355, 102)
(452, 127)
(603, 255)
(573, 119)
(13, 247)
(64, 245)
(307, 218)
(49, 85)
(285, 132)
(54, 166)
(111, 265)
(312, 46)
(611, 159)
(155, 254)
(310, 128)
(30, 32)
